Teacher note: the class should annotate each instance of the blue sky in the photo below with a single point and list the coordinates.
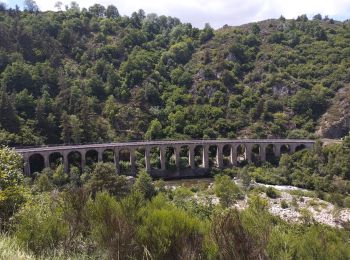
(218, 12)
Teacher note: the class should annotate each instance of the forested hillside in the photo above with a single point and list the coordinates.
(92, 75)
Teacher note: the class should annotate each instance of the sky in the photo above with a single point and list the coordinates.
(217, 12)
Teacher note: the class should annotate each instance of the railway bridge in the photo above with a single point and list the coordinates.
(166, 158)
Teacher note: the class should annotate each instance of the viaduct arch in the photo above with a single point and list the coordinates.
(198, 162)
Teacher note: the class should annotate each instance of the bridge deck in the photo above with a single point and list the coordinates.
(161, 143)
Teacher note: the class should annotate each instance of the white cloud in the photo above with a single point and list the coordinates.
(220, 12)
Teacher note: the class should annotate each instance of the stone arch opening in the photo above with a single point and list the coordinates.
(140, 160)
(124, 161)
(91, 158)
(55, 159)
(226, 154)
(256, 154)
(241, 154)
(108, 156)
(184, 157)
(74, 159)
(285, 148)
(198, 156)
(213, 151)
(155, 158)
(300, 147)
(170, 158)
(36, 163)
(271, 154)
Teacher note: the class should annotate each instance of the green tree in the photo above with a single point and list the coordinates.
(112, 12)
(11, 164)
(104, 178)
(226, 190)
(144, 185)
(154, 130)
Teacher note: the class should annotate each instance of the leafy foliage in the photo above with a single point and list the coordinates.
(90, 75)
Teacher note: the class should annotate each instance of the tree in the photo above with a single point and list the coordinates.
(58, 5)
(11, 165)
(144, 185)
(104, 178)
(97, 10)
(154, 130)
(31, 6)
(206, 34)
(112, 12)
(226, 190)
(3, 6)
(318, 17)
(66, 128)
(110, 110)
(75, 125)
(8, 115)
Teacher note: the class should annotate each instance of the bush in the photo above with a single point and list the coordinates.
(39, 224)
(226, 190)
(11, 199)
(284, 204)
(144, 185)
(242, 235)
(10, 168)
(346, 202)
(111, 229)
(104, 178)
(169, 232)
(272, 193)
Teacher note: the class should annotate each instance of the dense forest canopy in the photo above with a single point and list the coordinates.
(90, 75)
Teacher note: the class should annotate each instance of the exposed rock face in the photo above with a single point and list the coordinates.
(335, 123)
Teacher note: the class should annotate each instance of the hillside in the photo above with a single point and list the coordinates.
(92, 75)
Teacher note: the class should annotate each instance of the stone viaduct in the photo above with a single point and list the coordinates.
(196, 154)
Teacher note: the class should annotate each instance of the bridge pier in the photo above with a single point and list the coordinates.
(219, 156)
(191, 161)
(262, 153)
(65, 161)
(248, 152)
(233, 155)
(162, 158)
(100, 155)
(46, 160)
(205, 156)
(116, 161)
(177, 157)
(132, 162)
(148, 159)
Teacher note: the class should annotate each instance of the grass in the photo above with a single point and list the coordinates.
(301, 193)
(11, 250)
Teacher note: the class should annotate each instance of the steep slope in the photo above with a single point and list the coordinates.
(89, 75)
(335, 123)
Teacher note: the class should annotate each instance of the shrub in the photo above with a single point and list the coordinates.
(10, 168)
(144, 185)
(169, 232)
(39, 224)
(242, 235)
(11, 199)
(284, 204)
(59, 177)
(272, 193)
(346, 202)
(104, 178)
(111, 229)
(226, 190)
